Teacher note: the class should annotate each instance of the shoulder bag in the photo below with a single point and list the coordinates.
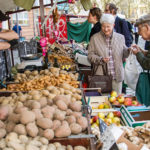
(100, 81)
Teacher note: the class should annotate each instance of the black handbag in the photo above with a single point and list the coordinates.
(100, 81)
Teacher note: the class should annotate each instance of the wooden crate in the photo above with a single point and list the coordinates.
(95, 101)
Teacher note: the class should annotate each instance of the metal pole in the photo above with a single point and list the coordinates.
(17, 22)
(42, 15)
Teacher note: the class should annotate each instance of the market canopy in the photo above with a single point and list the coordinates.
(8, 5)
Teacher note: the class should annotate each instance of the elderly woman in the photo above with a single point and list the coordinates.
(109, 47)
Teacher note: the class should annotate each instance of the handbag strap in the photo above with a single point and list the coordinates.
(104, 68)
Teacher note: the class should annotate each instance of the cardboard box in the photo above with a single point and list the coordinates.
(134, 118)
(130, 145)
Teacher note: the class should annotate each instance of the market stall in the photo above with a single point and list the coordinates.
(50, 106)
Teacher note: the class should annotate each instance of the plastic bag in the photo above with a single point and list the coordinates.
(132, 71)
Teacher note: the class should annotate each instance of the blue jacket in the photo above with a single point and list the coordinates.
(121, 27)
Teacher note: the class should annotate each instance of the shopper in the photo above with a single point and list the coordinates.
(17, 28)
(109, 47)
(143, 56)
(121, 25)
(94, 17)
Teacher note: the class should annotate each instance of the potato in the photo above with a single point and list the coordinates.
(82, 121)
(58, 115)
(50, 102)
(76, 114)
(44, 140)
(2, 125)
(69, 147)
(23, 138)
(2, 133)
(29, 103)
(43, 101)
(49, 88)
(75, 128)
(61, 105)
(4, 111)
(45, 92)
(67, 92)
(32, 129)
(51, 96)
(22, 98)
(77, 96)
(44, 123)
(35, 105)
(79, 148)
(51, 147)
(56, 124)
(64, 98)
(71, 119)
(75, 106)
(49, 134)
(35, 72)
(55, 91)
(68, 112)
(20, 129)
(18, 110)
(62, 131)
(14, 117)
(36, 97)
(48, 108)
(37, 113)
(10, 126)
(27, 117)
(61, 90)
(65, 86)
(41, 131)
(57, 144)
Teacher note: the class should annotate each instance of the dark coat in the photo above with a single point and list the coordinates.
(121, 26)
(95, 29)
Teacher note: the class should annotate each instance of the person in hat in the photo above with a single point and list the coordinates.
(6, 35)
(108, 47)
(143, 57)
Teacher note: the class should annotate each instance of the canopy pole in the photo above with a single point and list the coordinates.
(42, 16)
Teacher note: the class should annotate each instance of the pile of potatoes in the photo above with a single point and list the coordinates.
(40, 81)
(48, 94)
(14, 141)
(44, 114)
(139, 135)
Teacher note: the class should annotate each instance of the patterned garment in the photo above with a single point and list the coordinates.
(111, 67)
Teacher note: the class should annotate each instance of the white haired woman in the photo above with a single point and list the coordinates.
(109, 47)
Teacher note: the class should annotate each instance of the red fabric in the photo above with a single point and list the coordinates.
(61, 28)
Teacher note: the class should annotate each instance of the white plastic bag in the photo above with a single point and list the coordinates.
(132, 71)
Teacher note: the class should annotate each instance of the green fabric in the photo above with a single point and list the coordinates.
(87, 4)
(26, 4)
(143, 89)
(79, 32)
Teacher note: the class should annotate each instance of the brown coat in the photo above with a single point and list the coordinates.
(98, 49)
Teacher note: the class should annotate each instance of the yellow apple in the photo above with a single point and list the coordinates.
(108, 121)
(113, 94)
(106, 106)
(97, 121)
(112, 99)
(101, 115)
(110, 115)
(120, 99)
(94, 125)
(116, 120)
(101, 106)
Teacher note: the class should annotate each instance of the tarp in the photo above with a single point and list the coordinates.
(9, 5)
(79, 32)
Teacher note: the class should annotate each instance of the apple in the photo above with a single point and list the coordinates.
(108, 121)
(134, 103)
(113, 94)
(101, 115)
(106, 106)
(112, 99)
(116, 120)
(97, 121)
(91, 121)
(94, 125)
(117, 114)
(128, 102)
(95, 118)
(101, 106)
(120, 99)
(116, 103)
(128, 98)
(110, 115)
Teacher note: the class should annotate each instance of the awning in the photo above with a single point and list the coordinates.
(9, 5)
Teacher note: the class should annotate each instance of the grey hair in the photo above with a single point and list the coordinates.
(107, 18)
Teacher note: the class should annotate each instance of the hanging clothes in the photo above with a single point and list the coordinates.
(79, 32)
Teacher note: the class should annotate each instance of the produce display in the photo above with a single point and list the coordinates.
(37, 81)
(122, 100)
(102, 106)
(42, 113)
(108, 118)
(139, 135)
(14, 141)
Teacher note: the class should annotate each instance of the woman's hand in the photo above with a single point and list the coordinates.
(106, 59)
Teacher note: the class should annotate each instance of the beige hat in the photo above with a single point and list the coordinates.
(142, 19)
